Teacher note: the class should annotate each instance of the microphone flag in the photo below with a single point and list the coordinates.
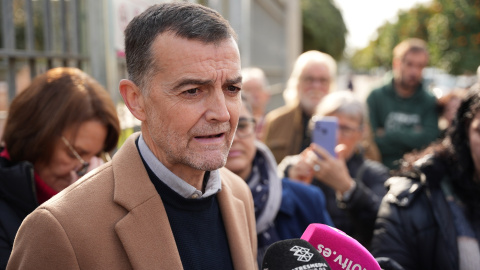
(341, 251)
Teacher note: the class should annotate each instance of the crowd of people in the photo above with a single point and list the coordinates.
(213, 179)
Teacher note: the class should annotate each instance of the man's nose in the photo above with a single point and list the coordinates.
(217, 107)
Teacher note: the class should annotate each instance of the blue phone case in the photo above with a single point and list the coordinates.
(325, 133)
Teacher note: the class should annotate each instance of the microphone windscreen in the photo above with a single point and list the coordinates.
(293, 254)
(341, 251)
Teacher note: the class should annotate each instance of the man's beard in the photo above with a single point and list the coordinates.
(409, 83)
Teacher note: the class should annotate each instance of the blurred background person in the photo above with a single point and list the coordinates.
(430, 218)
(54, 130)
(478, 74)
(283, 208)
(402, 112)
(447, 107)
(353, 185)
(286, 128)
(256, 88)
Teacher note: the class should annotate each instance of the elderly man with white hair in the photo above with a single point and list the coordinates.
(286, 131)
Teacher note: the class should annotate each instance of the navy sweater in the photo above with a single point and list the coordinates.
(197, 227)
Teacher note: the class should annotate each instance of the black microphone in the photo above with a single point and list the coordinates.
(293, 254)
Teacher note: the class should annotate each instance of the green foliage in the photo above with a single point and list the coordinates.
(323, 27)
(451, 28)
(19, 21)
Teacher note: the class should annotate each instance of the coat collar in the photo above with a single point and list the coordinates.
(145, 230)
(236, 225)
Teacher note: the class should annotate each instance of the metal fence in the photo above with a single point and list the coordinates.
(37, 35)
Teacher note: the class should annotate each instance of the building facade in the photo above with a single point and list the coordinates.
(37, 35)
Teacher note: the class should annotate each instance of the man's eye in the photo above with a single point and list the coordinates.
(192, 91)
(232, 88)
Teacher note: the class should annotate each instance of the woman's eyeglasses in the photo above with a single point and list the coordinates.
(245, 127)
(84, 165)
(348, 131)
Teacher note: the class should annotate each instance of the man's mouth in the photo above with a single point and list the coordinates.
(210, 136)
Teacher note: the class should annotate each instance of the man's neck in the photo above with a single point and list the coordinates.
(404, 91)
(307, 113)
(193, 177)
(188, 174)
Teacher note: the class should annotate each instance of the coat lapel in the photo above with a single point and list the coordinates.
(296, 134)
(145, 230)
(236, 226)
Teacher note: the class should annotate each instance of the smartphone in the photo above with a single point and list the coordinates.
(325, 133)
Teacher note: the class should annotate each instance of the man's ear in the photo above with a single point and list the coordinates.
(396, 63)
(133, 99)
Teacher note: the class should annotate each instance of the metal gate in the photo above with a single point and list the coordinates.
(37, 35)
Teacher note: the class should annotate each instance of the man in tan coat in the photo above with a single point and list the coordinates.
(286, 128)
(162, 202)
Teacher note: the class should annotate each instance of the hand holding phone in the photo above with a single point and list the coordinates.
(325, 133)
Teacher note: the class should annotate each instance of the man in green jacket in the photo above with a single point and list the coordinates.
(402, 112)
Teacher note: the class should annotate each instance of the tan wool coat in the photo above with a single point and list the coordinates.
(284, 131)
(113, 218)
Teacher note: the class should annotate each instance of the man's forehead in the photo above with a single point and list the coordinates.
(170, 38)
(315, 67)
(415, 55)
(170, 50)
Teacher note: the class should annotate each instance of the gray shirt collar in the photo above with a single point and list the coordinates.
(177, 184)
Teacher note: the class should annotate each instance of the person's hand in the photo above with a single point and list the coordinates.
(330, 170)
(300, 169)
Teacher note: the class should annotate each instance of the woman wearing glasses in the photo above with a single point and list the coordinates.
(55, 129)
(352, 184)
(283, 208)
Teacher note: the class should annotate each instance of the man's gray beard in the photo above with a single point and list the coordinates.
(198, 161)
(206, 167)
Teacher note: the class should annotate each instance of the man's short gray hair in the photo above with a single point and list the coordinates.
(184, 20)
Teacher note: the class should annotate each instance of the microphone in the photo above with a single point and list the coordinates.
(341, 251)
(293, 254)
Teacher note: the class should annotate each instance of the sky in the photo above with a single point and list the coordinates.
(363, 17)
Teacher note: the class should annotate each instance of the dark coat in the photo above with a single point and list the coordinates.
(17, 200)
(301, 205)
(415, 224)
(356, 216)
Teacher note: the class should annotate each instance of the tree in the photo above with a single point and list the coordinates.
(459, 51)
(451, 28)
(323, 27)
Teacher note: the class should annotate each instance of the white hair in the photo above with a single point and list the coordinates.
(290, 94)
(251, 73)
(342, 102)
